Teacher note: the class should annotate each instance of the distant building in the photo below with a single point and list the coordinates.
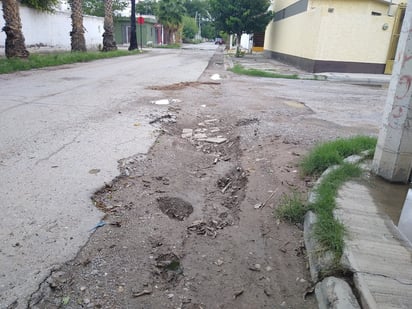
(357, 36)
(150, 34)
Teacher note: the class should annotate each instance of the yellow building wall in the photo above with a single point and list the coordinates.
(350, 33)
(292, 35)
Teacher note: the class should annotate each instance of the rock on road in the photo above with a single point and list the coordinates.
(63, 131)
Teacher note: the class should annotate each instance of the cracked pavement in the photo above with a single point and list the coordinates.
(63, 131)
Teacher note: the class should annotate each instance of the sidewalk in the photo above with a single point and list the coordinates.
(260, 62)
(375, 252)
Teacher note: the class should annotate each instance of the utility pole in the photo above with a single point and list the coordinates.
(393, 155)
(133, 39)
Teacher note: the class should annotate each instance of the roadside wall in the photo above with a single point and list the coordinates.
(53, 29)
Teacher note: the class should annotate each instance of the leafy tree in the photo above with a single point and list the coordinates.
(108, 39)
(170, 14)
(240, 16)
(146, 7)
(78, 41)
(189, 28)
(197, 6)
(208, 30)
(97, 7)
(15, 46)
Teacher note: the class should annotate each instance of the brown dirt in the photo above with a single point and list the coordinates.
(182, 85)
(185, 232)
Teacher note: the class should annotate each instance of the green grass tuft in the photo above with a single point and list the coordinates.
(238, 69)
(331, 153)
(36, 61)
(328, 231)
(170, 46)
(291, 208)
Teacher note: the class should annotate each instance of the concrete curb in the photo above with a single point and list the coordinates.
(356, 78)
(330, 292)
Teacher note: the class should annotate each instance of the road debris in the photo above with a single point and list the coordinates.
(100, 224)
(261, 205)
(158, 119)
(237, 294)
(142, 293)
(187, 133)
(214, 140)
(165, 101)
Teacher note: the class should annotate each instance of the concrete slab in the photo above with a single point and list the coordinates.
(377, 253)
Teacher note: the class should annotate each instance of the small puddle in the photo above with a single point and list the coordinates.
(388, 197)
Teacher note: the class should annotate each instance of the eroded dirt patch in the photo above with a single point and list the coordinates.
(221, 251)
(182, 85)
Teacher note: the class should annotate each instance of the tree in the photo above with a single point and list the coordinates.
(189, 28)
(41, 5)
(77, 34)
(195, 7)
(108, 39)
(146, 7)
(208, 30)
(170, 14)
(240, 16)
(15, 46)
(133, 38)
(97, 7)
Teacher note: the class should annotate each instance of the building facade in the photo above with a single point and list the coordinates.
(358, 36)
(149, 34)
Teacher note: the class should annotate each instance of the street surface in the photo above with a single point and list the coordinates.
(66, 132)
(63, 131)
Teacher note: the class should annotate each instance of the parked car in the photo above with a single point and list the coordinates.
(219, 41)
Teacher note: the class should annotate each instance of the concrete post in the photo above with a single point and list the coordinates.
(393, 155)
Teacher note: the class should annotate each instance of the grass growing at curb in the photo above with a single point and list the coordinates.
(332, 153)
(328, 231)
(238, 69)
(169, 46)
(36, 61)
(292, 208)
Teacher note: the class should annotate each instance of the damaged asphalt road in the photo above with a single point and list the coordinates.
(190, 224)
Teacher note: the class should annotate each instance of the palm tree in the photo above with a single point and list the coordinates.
(170, 14)
(77, 34)
(108, 40)
(15, 46)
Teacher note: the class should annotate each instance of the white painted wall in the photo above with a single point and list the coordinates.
(53, 29)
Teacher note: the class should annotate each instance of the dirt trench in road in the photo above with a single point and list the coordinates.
(191, 224)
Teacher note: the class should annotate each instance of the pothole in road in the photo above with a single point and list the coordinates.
(174, 207)
(233, 184)
(246, 121)
(170, 267)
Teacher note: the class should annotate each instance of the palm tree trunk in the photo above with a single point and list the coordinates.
(108, 39)
(15, 46)
(77, 34)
